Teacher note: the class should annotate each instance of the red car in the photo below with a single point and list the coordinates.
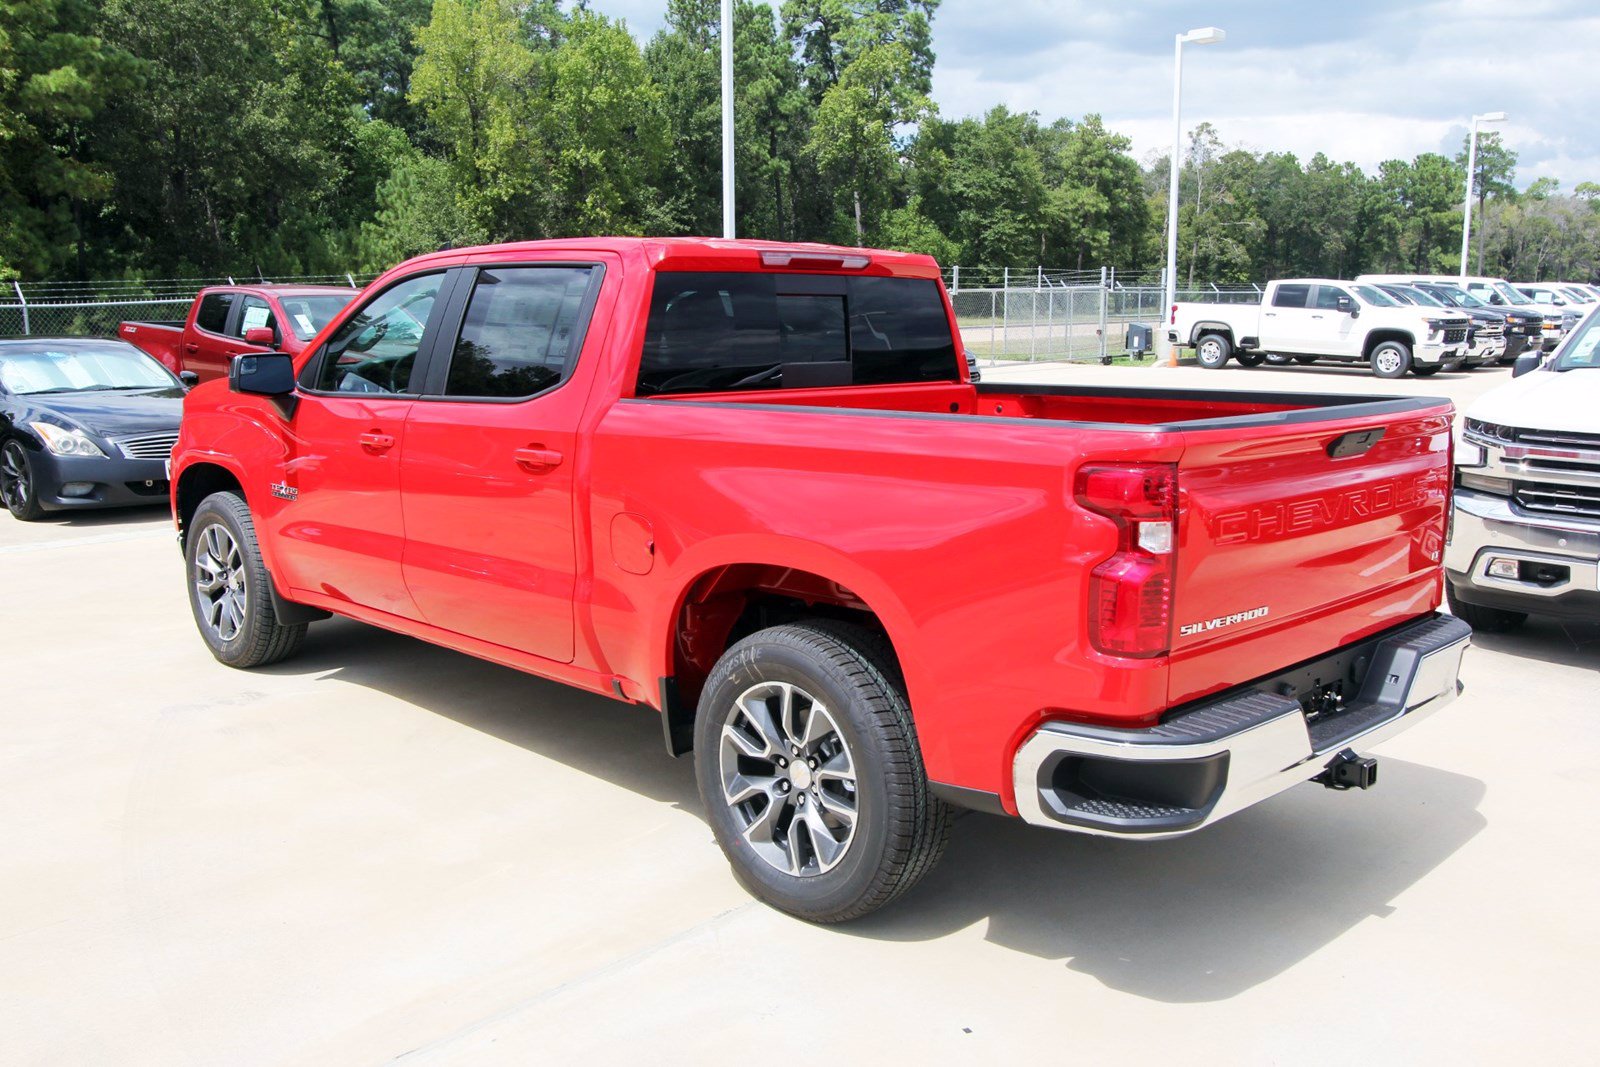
(228, 320)
(751, 486)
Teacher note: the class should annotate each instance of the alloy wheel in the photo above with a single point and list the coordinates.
(15, 486)
(219, 582)
(788, 778)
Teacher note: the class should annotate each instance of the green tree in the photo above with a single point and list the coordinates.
(56, 75)
(1095, 210)
(1427, 194)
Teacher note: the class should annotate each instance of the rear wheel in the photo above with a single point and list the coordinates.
(1489, 620)
(17, 485)
(228, 587)
(1390, 359)
(1213, 350)
(809, 769)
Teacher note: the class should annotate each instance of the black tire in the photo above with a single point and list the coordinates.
(1250, 359)
(1213, 350)
(249, 635)
(900, 828)
(1426, 372)
(17, 483)
(1305, 360)
(1276, 360)
(1488, 620)
(1390, 359)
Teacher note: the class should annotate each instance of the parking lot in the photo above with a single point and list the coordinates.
(384, 850)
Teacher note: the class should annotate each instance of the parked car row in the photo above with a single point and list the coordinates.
(1416, 324)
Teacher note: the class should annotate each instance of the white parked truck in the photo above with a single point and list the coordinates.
(1309, 319)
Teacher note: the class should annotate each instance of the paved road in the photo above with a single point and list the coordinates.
(382, 850)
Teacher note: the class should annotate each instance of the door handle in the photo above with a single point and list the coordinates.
(1316, 316)
(191, 346)
(536, 458)
(376, 443)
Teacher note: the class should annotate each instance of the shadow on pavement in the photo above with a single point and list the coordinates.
(88, 520)
(1554, 641)
(618, 742)
(1195, 919)
(1204, 917)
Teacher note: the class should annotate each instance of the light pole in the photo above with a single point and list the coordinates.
(1472, 164)
(727, 118)
(1205, 35)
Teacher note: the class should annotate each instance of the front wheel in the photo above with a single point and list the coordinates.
(1305, 361)
(228, 587)
(1251, 359)
(809, 769)
(1391, 359)
(17, 485)
(1213, 350)
(1485, 620)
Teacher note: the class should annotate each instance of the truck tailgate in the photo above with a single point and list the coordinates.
(1299, 538)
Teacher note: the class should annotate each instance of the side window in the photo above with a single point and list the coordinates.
(253, 312)
(1291, 296)
(375, 351)
(521, 331)
(1328, 297)
(213, 314)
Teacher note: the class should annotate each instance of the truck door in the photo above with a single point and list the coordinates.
(206, 343)
(490, 463)
(1286, 320)
(1332, 328)
(340, 533)
(253, 311)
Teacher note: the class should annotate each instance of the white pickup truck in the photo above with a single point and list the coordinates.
(1526, 533)
(1322, 318)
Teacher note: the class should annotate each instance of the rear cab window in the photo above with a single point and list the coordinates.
(712, 332)
(1290, 296)
(212, 315)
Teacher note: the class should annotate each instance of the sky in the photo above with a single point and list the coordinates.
(1358, 80)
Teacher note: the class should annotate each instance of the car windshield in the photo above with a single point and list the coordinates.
(1582, 350)
(309, 314)
(80, 368)
(1371, 294)
(1577, 294)
(1508, 294)
(1422, 296)
(1459, 297)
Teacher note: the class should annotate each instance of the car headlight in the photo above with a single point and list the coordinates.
(65, 442)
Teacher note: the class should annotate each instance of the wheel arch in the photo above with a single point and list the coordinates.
(197, 481)
(1211, 326)
(1378, 337)
(719, 603)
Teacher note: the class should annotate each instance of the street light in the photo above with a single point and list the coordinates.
(1472, 163)
(727, 118)
(1205, 35)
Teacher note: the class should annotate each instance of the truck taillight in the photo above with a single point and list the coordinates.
(1172, 316)
(1130, 594)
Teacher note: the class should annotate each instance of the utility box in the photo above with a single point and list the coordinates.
(1138, 339)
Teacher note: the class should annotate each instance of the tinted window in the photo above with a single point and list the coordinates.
(1328, 297)
(712, 332)
(521, 332)
(375, 351)
(253, 312)
(1291, 296)
(213, 314)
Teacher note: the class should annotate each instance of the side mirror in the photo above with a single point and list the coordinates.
(1496, 298)
(1526, 362)
(189, 379)
(262, 374)
(261, 335)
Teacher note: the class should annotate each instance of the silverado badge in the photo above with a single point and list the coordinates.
(284, 491)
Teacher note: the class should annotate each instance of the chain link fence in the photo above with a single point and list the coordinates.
(1006, 314)
(93, 309)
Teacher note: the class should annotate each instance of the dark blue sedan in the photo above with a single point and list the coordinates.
(83, 424)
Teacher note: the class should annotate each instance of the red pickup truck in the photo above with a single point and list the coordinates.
(227, 320)
(751, 486)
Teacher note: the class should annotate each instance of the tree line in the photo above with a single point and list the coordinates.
(161, 138)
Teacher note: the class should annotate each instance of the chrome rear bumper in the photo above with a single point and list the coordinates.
(1226, 754)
